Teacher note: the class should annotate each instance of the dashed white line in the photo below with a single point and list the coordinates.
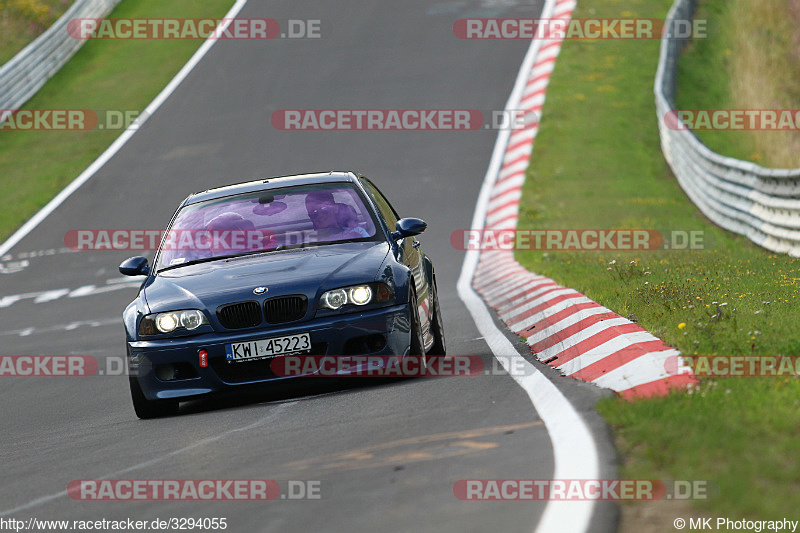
(26, 332)
(52, 295)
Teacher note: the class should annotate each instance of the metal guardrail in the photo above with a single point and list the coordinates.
(760, 203)
(27, 71)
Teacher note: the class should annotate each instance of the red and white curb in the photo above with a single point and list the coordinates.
(564, 328)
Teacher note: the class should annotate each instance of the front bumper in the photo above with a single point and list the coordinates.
(170, 368)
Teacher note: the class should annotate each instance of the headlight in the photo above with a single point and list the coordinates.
(356, 295)
(192, 319)
(167, 322)
(334, 299)
(360, 295)
(189, 320)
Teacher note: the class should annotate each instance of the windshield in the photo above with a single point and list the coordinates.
(266, 220)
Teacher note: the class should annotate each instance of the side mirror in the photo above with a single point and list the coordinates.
(407, 227)
(135, 266)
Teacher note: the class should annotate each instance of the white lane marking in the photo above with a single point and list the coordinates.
(56, 294)
(574, 449)
(64, 327)
(12, 267)
(38, 253)
(45, 499)
(120, 141)
(49, 296)
(14, 263)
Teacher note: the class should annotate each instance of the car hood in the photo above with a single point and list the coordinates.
(306, 271)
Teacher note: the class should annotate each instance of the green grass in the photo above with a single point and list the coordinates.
(597, 163)
(703, 81)
(739, 434)
(750, 62)
(104, 74)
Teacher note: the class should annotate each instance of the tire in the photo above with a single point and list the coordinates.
(417, 345)
(150, 408)
(439, 348)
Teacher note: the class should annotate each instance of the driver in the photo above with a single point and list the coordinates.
(325, 215)
(322, 211)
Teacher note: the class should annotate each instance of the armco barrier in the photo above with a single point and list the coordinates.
(760, 203)
(27, 71)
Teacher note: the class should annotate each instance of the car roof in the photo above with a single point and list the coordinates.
(271, 183)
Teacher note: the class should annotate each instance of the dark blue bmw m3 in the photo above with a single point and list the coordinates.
(313, 264)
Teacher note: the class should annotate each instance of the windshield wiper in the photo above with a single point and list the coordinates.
(195, 262)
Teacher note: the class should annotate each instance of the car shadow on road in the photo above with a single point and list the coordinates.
(297, 389)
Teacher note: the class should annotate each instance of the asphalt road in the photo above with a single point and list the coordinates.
(387, 454)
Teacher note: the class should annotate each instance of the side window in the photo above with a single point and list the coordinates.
(383, 204)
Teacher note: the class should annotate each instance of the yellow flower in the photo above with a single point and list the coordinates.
(682, 325)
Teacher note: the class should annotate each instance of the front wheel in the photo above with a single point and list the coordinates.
(417, 345)
(150, 408)
(437, 325)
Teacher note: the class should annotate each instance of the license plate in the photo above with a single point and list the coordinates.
(262, 349)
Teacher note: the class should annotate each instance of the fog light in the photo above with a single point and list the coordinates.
(165, 372)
